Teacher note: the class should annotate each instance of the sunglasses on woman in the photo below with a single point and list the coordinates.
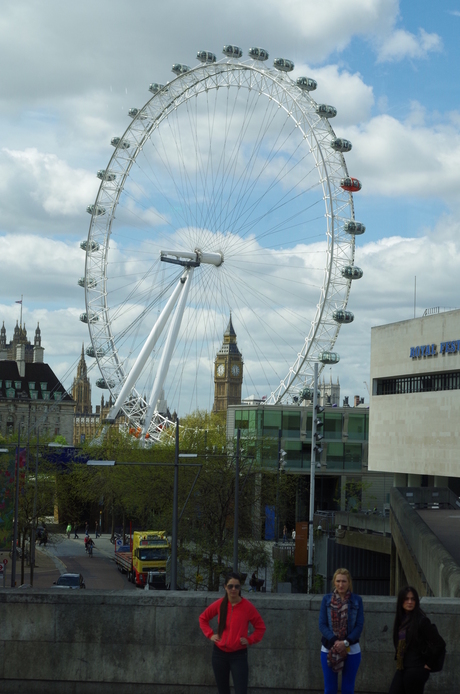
(236, 586)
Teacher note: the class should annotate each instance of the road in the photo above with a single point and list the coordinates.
(62, 555)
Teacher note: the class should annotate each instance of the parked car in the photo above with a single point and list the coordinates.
(74, 581)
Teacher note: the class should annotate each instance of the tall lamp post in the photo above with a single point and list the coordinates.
(281, 467)
(14, 552)
(236, 502)
(325, 358)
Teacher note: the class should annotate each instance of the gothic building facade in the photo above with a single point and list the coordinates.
(87, 423)
(228, 372)
(31, 395)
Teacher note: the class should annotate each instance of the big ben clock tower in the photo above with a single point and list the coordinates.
(228, 372)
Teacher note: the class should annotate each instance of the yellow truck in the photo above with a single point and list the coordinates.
(145, 558)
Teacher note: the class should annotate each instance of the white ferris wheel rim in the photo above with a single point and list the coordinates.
(298, 106)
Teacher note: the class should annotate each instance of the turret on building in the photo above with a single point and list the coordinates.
(228, 372)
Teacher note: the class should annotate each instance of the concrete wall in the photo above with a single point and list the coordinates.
(417, 432)
(426, 563)
(83, 642)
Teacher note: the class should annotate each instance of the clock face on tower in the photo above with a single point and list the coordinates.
(221, 369)
(235, 370)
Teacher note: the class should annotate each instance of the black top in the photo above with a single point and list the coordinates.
(416, 644)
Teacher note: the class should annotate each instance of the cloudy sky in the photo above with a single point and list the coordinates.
(71, 71)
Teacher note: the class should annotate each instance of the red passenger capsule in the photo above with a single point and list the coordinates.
(350, 184)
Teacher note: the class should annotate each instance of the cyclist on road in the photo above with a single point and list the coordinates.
(89, 546)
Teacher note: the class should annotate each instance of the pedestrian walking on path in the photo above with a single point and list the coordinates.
(341, 621)
(231, 641)
(68, 530)
(75, 535)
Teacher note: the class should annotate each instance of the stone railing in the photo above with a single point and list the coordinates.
(121, 642)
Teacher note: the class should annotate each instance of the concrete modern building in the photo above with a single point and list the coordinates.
(415, 400)
(342, 464)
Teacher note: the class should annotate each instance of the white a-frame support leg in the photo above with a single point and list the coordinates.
(168, 348)
(146, 350)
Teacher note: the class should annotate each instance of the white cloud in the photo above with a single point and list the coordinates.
(42, 268)
(402, 44)
(395, 158)
(385, 294)
(348, 92)
(41, 193)
(56, 187)
(331, 26)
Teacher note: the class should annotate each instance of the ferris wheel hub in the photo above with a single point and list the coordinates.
(192, 258)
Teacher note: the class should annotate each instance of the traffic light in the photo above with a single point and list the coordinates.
(317, 424)
(282, 460)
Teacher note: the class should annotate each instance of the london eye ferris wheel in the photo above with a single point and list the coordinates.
(227, 193)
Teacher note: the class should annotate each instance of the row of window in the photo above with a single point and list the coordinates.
(334, 455)
(46, 394)
(18, 385)
(419, 384)
(265, 422)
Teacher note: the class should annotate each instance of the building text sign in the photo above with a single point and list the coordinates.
(432, 350)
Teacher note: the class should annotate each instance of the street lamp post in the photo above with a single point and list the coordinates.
(34, 519)
(16, 512)
(236, 503)
(175, 509)
(325, 358)
(281, 466)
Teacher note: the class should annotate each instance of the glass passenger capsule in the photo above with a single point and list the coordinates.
(258, 53)
(306, 393)
(341, 145)
(329, 357)
(355, 228)
(351, 272)
(350, 184)
(96, 210)
(91, 318)
(155, 87)
(120, 143)
(306, 84)
(90, 282)
(133, 112)
(91, 352)
(180, 69)
(342, 317)
(105, 175)
(102, 383)
(326, 111)
(283, 64)
(93, 246)
(206, 57)
(232, 51)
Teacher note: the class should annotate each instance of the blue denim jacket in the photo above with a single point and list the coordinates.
(355, 620)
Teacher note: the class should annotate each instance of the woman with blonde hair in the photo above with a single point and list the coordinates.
(341, 621)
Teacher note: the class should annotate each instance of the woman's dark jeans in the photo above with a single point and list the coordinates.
(411, 680)
(225, 663)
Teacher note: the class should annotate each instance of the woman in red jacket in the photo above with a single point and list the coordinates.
(230, 654)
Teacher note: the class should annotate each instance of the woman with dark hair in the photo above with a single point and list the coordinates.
(341, 621)
(411, 631)
(229, 654)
